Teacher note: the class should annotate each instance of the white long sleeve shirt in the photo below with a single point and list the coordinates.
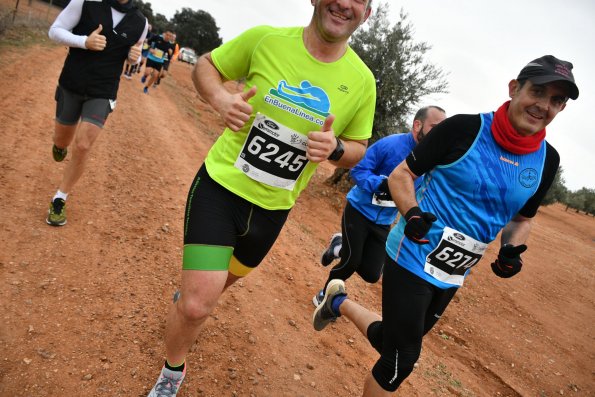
(61, 29)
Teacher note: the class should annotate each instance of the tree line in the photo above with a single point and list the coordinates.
(582, 200)
(195, 29)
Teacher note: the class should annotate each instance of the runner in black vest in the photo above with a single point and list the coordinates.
(101, 36)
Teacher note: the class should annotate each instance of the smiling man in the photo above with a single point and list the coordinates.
(483, 174)
(308, 99)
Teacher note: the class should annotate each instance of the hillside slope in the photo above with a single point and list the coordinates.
(83, 306)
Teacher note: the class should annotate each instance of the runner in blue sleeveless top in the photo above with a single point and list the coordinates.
(483, 174)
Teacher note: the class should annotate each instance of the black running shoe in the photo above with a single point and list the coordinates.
(328, 256)
(59, 154)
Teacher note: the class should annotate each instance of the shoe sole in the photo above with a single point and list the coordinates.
(55, 223)
(333, 288)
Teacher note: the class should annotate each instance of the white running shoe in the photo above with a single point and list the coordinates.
(168, 384)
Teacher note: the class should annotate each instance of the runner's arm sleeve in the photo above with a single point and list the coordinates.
(61, 29)
(445, 143)
(550, 167)
(143, 36)
(364, 173)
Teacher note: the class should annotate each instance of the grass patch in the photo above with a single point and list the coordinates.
(20, 36)
(445, 382)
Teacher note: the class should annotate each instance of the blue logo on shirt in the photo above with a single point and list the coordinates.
(528, 177)
(306, 96)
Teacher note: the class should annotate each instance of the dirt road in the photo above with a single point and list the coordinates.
(83, 306)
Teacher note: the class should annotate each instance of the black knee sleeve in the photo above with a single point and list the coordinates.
(369, 277)
(374, 334)
(392, 369)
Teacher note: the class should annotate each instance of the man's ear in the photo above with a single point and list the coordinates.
(513, 87)
(367, 14)
(417, 126)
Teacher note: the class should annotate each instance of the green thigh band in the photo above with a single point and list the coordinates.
(206, 257)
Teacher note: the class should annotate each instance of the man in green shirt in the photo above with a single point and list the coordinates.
(308, 98)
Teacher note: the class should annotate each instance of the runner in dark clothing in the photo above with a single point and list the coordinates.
(161, 49)
(370, 211)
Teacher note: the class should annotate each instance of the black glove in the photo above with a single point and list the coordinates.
(383, 192)
(509, 260)
(418, 225)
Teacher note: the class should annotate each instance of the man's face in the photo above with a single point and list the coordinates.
(336, 20)
(534, 106)
(433, 118)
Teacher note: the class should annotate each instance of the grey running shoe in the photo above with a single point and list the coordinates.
(317, 299)
(59, 154)
(329, 256)
(168, 384)
(324, 313)
(177, 295)
(57, 213)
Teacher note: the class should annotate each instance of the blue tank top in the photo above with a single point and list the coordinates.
(473, 199)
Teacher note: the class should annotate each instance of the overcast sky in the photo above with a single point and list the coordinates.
(481, 45)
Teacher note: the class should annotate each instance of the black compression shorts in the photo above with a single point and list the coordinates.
(219, 224)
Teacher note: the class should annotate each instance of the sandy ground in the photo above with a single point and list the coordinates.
(83, 306)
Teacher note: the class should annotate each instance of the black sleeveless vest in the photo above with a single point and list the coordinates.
(97, 73)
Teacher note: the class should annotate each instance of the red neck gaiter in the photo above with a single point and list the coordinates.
(507, 137)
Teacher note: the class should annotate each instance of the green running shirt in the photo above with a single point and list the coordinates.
(266, 165)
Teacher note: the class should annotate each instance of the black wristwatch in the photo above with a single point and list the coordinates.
(338, 152)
